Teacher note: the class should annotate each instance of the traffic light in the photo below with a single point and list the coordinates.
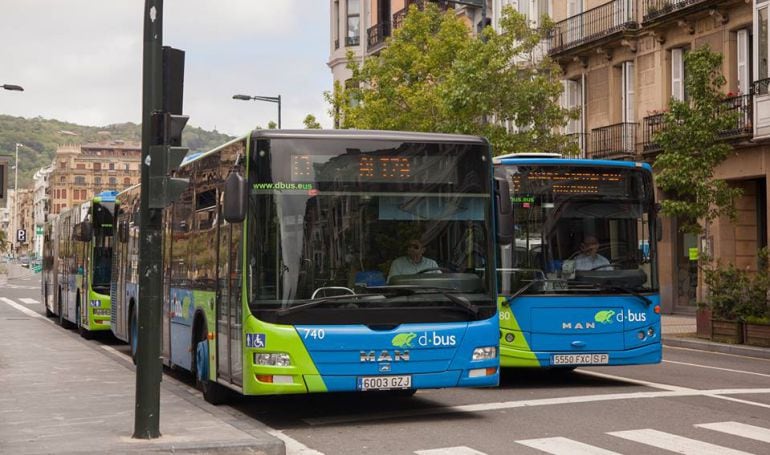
(165, 159)
(166, 151)
(3, 181)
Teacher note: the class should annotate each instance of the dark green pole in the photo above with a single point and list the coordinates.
(148, 364)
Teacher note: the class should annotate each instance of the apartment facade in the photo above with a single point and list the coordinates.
(363, 26)
(82, 171)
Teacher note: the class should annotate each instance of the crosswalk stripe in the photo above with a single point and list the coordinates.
(21, 308)
(739, 429)
(459, 450)
(564, 446)
(28, 301)
(674, 443)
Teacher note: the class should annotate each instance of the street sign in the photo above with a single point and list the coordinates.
(38, 230)
(21, 236)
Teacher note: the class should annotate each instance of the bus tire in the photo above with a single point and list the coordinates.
(133, 333)
(84, 332)
(212, 392)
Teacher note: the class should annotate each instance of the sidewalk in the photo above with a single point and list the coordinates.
(679, 331)
(64, 395)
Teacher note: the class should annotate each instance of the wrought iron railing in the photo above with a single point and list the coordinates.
(654, 9)
(651, 125)
(760, 87)
(613, 142)
(613, 17)
(377, 34)
(742, 107)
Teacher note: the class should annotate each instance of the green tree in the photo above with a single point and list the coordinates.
(271, 125)
(434, 76)
(311, 123)
(4, 243)
(692, 147)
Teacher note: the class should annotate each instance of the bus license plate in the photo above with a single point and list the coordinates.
(384, 382)
(580, 359)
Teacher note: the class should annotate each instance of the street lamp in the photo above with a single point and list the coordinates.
(269, 99)
(16, 88)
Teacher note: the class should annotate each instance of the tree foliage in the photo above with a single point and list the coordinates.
(692, 147)
(311, 123)
(434, 76)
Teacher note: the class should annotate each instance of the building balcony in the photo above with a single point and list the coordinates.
(376, 36)
(595, 27)
(398, 16)
(613, 142)
(659, 11)
(742, 106)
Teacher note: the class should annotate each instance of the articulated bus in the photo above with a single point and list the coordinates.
(77, 261)
(276, 262)
(579, 282)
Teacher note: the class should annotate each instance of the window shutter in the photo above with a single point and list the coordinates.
(742, 61)
(677, 74)
(628, 92)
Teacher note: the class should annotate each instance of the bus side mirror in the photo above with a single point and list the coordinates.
(236, 198)
(504, 212)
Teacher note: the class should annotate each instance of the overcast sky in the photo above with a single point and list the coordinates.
(80, 61)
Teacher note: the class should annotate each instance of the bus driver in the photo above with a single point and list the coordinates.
(413, 262)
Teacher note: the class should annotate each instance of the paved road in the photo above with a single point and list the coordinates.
(695, 402)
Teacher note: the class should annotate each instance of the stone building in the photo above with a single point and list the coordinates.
(82, 171)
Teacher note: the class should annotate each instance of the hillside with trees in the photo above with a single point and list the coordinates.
(42, 136)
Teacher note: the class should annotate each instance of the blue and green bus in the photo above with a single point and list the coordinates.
(276, 262)
(77, 261)
(579, 281)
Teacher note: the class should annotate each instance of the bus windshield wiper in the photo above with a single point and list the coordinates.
(333, 298)
(450, 294)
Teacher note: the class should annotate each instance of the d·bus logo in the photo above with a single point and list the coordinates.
(405, 340)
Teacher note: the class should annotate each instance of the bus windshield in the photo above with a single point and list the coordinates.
(579, 229)
(102, 213)
(326, 223)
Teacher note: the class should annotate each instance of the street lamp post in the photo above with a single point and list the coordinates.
(15, 88)
(16, 200)
(269, 99)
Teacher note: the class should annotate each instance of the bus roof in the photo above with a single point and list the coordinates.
(507, 160)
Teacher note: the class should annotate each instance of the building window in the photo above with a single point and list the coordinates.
(80, 166)
(97, 166)
(80, 180)
(112, 166)
(353, 35)
(126, 181)
(627, 92)
(336, 24)
(64, 193)
(677, 73)
(97, 180)
(113, 181)
(63, 179)
(533, 10)
(742, 56)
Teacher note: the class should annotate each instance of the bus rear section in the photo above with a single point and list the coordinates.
(297, 295)
(579, 285)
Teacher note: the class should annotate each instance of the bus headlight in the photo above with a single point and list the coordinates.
(486, 353)
(277, 359)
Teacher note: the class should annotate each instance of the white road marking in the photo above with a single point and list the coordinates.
(654, 385)
(739, 429)
(459, 450)
(715, 393)
(293, 447)
(23, 309)
(29, 301)
(714, 353)
(564, 446)
(730, 370)
(674, 443)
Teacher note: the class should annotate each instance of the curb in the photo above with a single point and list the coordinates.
(711, 346)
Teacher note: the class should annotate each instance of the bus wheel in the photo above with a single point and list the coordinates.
(133, 333)
(84, 332)
(212, 392)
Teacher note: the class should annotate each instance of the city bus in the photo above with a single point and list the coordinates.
(77, 264)
(579, 281)
(276, 261)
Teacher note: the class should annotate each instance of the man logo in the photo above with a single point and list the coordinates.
(384, 356)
